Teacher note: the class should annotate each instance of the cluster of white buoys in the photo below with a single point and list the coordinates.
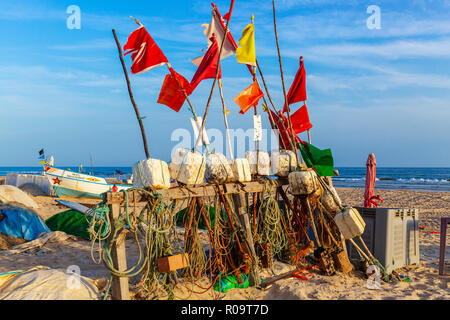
(190, 167)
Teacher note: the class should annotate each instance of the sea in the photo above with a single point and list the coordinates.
(421, 179)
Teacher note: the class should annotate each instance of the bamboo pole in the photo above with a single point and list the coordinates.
(133, 102)
(179, 84)
(273, 105)
(272, 121)
(185, 94)
(225, 36)
(224, 109)
(282, 81)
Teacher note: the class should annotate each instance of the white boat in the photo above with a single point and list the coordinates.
(69, 183)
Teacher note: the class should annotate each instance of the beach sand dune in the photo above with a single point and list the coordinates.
(425, 283)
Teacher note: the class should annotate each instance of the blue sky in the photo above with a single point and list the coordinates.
(384, 91)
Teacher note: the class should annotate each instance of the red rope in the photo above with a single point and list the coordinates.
(371, 202)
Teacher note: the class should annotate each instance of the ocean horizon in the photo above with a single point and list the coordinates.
(390, 178)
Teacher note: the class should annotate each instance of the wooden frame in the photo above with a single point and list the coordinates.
(120, 285)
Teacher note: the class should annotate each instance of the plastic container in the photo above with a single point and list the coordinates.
(188, 167)
(218, 170)
(392, 235)
(241, 170)
(304, 183)
(283, 163)
(350, 223)
(259, 162)
(151, 173)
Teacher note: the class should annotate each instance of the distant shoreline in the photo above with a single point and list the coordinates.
(416, 179)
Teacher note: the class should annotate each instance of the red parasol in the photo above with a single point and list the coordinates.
(369, 197)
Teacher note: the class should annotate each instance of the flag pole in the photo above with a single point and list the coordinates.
(225, 36)
(224, 108)
(130, 92)
(179, 84)
(282, 81)
(256, 114)
(273, 105)
(185, 94)
(273, 124)
(191, 107)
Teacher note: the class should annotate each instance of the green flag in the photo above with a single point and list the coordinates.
(321, 160)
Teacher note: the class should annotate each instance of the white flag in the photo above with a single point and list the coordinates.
(196, 126)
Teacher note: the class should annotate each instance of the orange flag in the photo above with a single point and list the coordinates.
(249, 97)
(171, 94)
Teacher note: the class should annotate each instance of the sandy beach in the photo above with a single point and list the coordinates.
(425, 281)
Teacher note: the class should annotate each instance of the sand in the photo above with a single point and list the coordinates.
(426, 283)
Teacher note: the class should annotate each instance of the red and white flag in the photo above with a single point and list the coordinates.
(217, 27)
(146, 54)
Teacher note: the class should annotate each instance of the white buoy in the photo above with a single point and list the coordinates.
(241, 170)
(188, 167)
(151, 173)
(283, 162)
(259, 162)
(218, 170)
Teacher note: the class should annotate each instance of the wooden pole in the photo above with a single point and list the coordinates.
(272, 121)
(136, 110)
(273, 105)
(189, 102)
(119, 287)
(282, 81)
(239, 204)
(313, 224)
(224, 109)
(225, 36)
(185, 94)
(179, 84)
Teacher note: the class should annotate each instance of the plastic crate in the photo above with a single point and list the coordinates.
(392, 235)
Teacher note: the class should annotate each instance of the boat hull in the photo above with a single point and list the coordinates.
(68, 183)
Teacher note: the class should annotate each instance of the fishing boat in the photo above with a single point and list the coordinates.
(69, 183)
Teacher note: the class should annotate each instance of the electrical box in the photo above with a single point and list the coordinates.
(392, 235)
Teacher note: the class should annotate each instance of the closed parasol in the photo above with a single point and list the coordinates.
(371, 174)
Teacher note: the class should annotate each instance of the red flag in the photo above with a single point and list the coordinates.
(171, 94)
(146, 54)
(208, 66)
(281, 122)
(249, 97)
(277, 124)
(300, 120)
(297, 92)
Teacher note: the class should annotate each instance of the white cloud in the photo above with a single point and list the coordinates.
(391, 50)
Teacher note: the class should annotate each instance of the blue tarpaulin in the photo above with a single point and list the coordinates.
(21, 223)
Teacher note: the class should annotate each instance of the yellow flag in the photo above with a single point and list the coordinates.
(246, 54)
